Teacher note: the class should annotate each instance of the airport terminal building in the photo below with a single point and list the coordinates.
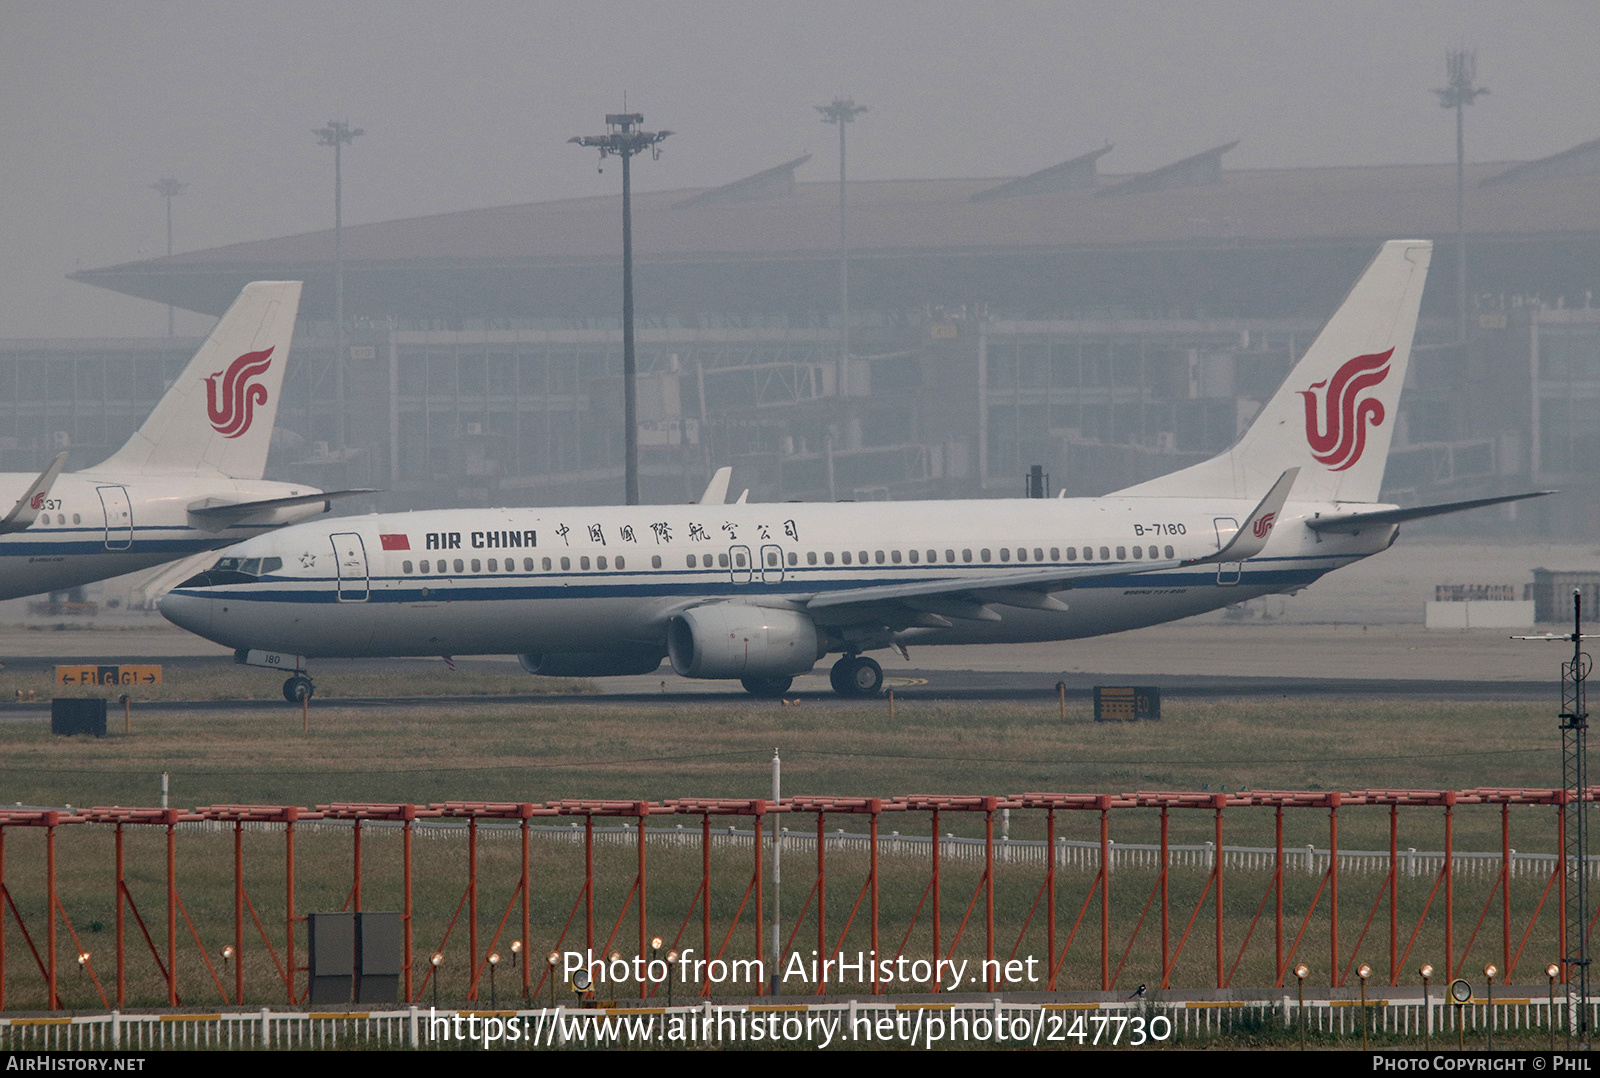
(1108, 327)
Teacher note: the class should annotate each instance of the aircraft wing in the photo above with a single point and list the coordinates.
(964, 597)
(226, 514)
(1358, 521)
(717, 490)
(26, 511)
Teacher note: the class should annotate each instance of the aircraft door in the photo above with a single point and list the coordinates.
(119, 517)
(350, 556)
(1228, 571)
(739, 564)
(771, 564)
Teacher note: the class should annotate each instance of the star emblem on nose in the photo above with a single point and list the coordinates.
(308, 560)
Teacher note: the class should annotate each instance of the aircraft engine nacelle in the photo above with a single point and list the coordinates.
(592, 663)
(730, 640)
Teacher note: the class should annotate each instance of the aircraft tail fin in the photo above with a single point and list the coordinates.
(1334, 415)
(217, 418)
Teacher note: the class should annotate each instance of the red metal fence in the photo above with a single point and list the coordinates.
(1070, 907)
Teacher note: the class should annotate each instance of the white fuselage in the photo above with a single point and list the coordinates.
(505, 581)
(94, 525)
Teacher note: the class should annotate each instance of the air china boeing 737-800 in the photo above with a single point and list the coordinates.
(189, 480)
(762, 592)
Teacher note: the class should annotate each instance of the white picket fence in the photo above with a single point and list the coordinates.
(921, 1022)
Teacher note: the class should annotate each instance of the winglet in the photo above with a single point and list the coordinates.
(1252, 537)
(717, 490)
(26, 511)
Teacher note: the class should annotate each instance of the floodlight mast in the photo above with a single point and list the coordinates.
(1462, 67)
(169, 188)
(842, 112)
(624, 138)
(338, 134)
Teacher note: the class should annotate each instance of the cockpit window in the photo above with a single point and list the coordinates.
(234, 571)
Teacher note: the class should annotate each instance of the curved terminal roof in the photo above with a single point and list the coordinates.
(1232, 241)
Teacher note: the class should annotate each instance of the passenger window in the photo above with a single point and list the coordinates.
(827, 557)
(966, 555)
(494, 565)
(527, 564)
(722, 560)
(739, 559)
(811, 557)
(405, 567)
(691, 561)
(566, 565)
(1055, 553)
(913, 556)
(1038, 554)
(984, 554)
(1169, 553)
(77, 518)
(655, 561)
(846, 557)
(1105, 553)
(600, 562)
(461, 566)
(423, 567)
(772, 560)
(583, 562)
(1072, 553)
(1005, 553)
(1022, 554)
(864, 557)
(1138, 553)
(511, 565)
(544, 563)
(1154, 553)
(1122, 554)
(933, 557)
(477, 566)
(949, 556)
(894, 556)
(794, 559)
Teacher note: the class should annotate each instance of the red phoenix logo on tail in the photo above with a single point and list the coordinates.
(1340, 438)
(232, 404)
(1263, 526)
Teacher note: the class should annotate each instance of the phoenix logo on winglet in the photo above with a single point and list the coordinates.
(232, 415)
(1341, 437)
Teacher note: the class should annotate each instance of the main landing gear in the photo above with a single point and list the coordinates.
(298, 688)
(856, 675)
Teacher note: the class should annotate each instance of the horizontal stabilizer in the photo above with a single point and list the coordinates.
(26, 511)
(226, 514)
(1353, 523)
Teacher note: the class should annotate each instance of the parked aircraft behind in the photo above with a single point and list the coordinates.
(188, 480)
(762, 592)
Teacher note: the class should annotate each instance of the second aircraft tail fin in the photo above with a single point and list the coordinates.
(217, 417)
(1334, 415)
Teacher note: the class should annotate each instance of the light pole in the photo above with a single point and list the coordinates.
(338, 134)
(1462, 67)
(169, 188)
(624, 139)
(843, 111)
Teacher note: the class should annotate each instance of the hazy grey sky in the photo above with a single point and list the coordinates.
(470, 104)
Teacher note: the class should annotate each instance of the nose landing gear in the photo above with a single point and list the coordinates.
(856, 675)
(298, 688)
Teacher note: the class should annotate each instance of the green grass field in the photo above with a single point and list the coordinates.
(552, 750)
